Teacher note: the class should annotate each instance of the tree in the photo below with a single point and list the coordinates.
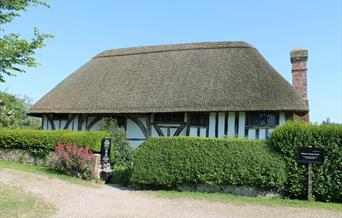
(17, 52)
(13, 112)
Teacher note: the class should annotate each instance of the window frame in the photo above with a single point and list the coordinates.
(249, 122)
(162, 118)
(206, 124)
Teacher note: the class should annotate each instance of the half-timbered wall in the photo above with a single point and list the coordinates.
(139, 127)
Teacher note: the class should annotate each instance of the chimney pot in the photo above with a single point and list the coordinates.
(299, 55)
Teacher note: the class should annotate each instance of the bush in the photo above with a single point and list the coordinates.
(121, 175)
(33, 139)
(165, 162)
(327, 182)
(74, 161)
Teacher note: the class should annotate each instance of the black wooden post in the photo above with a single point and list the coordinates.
(310, 181)
(310, 156)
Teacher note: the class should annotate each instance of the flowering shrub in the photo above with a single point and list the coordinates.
(74, 161)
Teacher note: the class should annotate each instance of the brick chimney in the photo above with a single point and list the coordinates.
(299, 56)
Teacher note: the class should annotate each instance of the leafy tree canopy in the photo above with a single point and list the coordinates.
(13, 112)
(17, 52)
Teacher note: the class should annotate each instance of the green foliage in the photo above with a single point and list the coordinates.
(13, 112)
(31, 139)
(171, 161)
(39, 153)
(121, 151)
(121, 175)
(16, 52)
(327, 185)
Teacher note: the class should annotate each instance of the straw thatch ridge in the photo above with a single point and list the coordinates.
(219, 76)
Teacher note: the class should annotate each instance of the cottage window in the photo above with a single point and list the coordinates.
(262, 119)
(201, 119)
(169, 118)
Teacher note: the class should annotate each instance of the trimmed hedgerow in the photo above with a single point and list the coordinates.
(166, 162)
(34, 139)
(327, 183)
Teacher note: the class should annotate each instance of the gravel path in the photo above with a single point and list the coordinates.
(74, 200)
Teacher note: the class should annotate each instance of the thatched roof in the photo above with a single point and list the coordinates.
(219, 76)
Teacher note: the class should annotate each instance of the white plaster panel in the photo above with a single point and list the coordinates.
(251, 133)
(231, 123)
(45, 123)
(154, 131)
(56, 122)
(212, 124)
(262, 133)
(63, 122)
(242, 123)
(203, 132)
(183, 133)
(164, 130)
(193, 131)
(221, 122)
(75, 126)
(172, 131)
(135, 143)
(133, 130)
(281, 118)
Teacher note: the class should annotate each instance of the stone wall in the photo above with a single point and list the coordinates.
(25, 156)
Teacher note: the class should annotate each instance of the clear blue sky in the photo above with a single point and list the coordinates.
(83, 28)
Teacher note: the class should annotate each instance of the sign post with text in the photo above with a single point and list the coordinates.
(310, 156)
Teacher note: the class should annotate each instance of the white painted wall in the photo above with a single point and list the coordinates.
(154, 132)
(231, 123)
(282, 118)
(133, 130)
(135, 144)
(212, 124)
(221, 122)
(262, 133)
(242, 124)
(251, 133)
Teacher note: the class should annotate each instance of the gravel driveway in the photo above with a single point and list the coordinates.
(74, 200)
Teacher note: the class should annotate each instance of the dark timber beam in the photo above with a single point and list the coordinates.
(179, 130)
(93, 122)
(66, 126)
(157, 128)
(50, 119)
(81, 119)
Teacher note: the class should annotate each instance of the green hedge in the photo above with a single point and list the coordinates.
(327, 185)
(31, 139)
(171, 161)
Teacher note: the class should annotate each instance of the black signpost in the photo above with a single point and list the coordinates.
(105, 158)
(310, 156)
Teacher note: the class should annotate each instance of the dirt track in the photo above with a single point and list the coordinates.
(74, 200)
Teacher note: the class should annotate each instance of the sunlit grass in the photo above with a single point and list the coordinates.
(247, 200)
(50, 172)
(15, 202)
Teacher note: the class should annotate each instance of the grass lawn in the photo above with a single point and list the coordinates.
(50, 172)
(247, 200)
(15, 202)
